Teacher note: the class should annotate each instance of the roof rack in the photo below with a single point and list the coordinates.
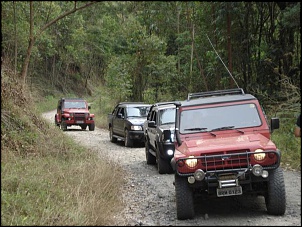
(164, 103)
(235, 91)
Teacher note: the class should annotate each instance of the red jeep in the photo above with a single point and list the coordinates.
(74, 111)
(224, 148)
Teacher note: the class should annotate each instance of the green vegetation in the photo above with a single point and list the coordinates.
(127, 51)
(46, 179)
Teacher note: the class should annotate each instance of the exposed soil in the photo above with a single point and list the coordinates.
(150, 196)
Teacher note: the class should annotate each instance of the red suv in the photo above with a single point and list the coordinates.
(74, 111)
(224, 148)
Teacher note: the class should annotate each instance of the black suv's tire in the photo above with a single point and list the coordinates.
(184, 198)
(63, 125)
(275, 198)
(151, 159)
(91, 127)
(111, 137)
(128, 141)
(163, 166)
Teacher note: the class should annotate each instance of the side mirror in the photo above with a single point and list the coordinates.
(151, 124)
(119, 115)
(89, 107)
(275, 124)
(167, 135)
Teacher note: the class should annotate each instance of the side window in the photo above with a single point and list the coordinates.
(150, 113)
(121, 111)
(153, 116)
(118, 109)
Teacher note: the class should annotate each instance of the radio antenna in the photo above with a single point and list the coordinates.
(222, 61)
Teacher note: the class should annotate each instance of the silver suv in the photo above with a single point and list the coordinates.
(159, 136)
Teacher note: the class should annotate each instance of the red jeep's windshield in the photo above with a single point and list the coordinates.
(219, 118)
(75, 105)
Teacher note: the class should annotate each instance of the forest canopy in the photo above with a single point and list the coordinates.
(157, 50)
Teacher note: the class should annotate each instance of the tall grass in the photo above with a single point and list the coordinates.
(45, 178)
(289, 145)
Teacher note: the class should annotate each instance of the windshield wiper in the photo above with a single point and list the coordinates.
(165, 123)
(226, 128)
(195, 129)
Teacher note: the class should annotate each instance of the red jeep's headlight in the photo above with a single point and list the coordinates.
(192, 162)
(258, 156)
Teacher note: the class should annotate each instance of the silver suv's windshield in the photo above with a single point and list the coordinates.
(219, 118)
(167, 116)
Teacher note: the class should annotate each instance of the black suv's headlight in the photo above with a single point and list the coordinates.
(136, 127)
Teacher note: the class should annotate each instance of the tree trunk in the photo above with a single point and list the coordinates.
(32, 38)
(229, 43)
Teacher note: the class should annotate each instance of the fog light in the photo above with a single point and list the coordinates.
(191, 179)
(170, 152)
(265, 174)
(199, 175)
(257, 170)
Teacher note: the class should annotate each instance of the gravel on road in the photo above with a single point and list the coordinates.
(150, 196)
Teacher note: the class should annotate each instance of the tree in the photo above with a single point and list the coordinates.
(33, 37)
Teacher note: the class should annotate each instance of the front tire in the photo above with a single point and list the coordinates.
(184, 198)
(128, 141)
(91, 127)
(111, 137)
(275, 198)
(151, 160)
(163, 166)
(63, 125)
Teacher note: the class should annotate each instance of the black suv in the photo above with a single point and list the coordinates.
(126, 122)
(159, 136)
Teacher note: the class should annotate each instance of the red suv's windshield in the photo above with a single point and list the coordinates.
(74, 104)
(222, 117)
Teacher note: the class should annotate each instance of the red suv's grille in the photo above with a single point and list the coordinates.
(79, 116)
(227, 160)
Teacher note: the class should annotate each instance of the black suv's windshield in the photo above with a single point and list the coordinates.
(138, 111)
(218, 118)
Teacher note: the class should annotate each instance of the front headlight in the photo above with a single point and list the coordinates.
(136, 127)
(258, 155)
(192, 162)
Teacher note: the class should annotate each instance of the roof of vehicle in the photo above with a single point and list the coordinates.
(125, 104)
(219, 96)
(72, 99)
(164, 105)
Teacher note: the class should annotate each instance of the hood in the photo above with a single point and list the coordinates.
(250, 142)
(168, 126)
(137, 121)
(76, 110)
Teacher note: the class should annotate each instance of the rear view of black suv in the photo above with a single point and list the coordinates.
(159, 136)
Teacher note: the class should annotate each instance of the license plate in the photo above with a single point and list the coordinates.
(229, 191)
(80, 122)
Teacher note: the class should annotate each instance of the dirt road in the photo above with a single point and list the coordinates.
(150, 196)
